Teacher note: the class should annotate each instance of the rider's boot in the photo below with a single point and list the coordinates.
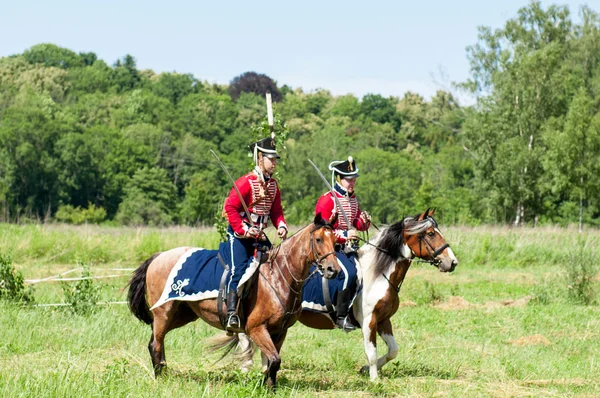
(233, 320)
(343, 302)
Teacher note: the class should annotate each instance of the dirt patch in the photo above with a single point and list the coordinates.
(454, 303)
(536, 339)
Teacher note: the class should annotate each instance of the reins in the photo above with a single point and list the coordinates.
(296, 281)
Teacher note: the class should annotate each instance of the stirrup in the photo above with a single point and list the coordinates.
(233, 323)
(345, 324)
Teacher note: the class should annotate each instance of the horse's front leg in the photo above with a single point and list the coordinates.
(261, 337)
(387, 334)
(369, 329)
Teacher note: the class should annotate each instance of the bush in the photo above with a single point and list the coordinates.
(12, 287)
(76, 215)
(83, 295)
(581, 267)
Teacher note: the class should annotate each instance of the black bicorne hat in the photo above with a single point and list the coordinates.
(345, 169)
(266, 146)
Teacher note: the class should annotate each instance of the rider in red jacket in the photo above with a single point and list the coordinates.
(344, 174)
(261, 196)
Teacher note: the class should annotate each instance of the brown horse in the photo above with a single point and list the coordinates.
(382, 265)
(273, 303)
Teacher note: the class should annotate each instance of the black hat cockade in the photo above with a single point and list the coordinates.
(266, 146)
(343, 169)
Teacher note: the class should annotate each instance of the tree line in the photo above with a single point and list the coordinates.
(84, 141)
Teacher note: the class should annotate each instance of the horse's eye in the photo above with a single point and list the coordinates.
(319, 240)
(431, 234)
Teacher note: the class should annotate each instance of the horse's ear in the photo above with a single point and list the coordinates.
(318, 219)
(424, 215)
(431, 212)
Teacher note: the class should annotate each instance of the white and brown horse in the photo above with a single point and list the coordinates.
(383, 264)
(271, 307)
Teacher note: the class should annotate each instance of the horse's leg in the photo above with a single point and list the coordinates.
(260, 335)
(265, 362)
(369, 329)
(166, 318)
(387, 334)
(156, 345)
(246, 351)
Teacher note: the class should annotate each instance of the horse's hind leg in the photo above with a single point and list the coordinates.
(166, 318)
(157, 345)
(247, 352)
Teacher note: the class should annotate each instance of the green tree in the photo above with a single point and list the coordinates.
(520, 68)
(52, 55)
(572, 161)
(150, 199)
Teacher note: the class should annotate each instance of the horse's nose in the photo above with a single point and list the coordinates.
(454, 264)
(330, 272)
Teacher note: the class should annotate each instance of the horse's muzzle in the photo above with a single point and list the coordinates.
(447, 264)
(329, 272)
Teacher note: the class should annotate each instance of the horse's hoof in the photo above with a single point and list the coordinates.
(364, 370)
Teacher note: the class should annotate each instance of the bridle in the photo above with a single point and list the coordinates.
(316, 259)
(431, 251)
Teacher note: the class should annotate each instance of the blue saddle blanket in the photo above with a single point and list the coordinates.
(196, 275)
(313, 298)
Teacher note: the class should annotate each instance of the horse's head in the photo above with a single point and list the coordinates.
(423, 237)
(322, 247)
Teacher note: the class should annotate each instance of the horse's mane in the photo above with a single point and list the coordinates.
(390, 240)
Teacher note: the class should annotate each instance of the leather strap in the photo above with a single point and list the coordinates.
(327, 298)
(221, 297)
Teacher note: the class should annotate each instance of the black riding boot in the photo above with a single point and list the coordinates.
(233, 321)
(343, 302)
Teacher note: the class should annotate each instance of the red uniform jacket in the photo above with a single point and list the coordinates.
(263, 200)
(327, 206)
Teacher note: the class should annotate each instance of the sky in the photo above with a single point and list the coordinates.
(346, 47)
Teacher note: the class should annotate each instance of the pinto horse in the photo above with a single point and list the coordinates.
(382, 265)
(272, 305)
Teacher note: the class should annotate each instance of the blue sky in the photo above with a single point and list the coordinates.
(358, 47)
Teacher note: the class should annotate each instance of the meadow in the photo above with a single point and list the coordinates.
(519, 317)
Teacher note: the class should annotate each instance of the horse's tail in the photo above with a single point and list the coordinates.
(137, 292)
(228, 344)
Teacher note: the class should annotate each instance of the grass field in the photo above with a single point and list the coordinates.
(505, 324)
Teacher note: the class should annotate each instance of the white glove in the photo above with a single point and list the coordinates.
(351, 242)
(352, 234)
(252, 232)
(365, 217)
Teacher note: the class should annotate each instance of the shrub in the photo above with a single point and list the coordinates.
(12, 287)
(76, 215)
(581, 266)
(83, 295)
